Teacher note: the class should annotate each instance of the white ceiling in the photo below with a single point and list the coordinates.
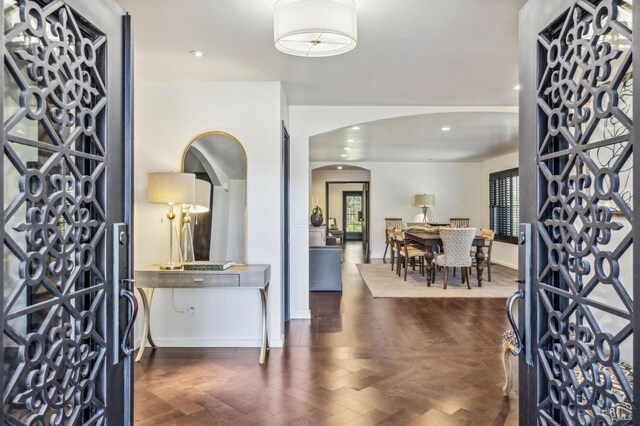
(410, 52)
(474, 136)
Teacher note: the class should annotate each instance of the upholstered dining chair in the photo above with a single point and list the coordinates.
(390, 223)
(457, 246)
(490, 236)
(407, 254)
(459, 222)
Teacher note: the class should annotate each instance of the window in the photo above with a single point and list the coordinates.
(504, 205)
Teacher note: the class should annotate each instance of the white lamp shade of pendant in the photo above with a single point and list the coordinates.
(315, 28)
(425, 200)
(171, 188)
(202, 202)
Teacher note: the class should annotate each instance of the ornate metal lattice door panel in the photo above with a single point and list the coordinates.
(63, 174)
(577, 122)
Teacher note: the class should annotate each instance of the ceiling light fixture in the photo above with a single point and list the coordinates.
(355, 128)
(516, 87)
(315, 28)
(198, 53)
(339, 167)
(344, 156)
(446, 129)
(350, 140)
(346, 148)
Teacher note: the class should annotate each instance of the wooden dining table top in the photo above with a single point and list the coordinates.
(427, 237)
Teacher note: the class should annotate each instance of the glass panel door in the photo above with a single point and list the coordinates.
(353, 215)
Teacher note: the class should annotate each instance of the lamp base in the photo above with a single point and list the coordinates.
(425, 220)
(170, 267)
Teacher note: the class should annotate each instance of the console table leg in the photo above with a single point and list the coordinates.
(264, 293)
(146, 334)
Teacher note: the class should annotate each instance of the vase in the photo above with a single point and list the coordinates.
(316, 220)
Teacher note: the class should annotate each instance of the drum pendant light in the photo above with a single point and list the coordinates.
(315, 28)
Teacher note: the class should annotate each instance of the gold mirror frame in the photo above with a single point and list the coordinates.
(246, 166)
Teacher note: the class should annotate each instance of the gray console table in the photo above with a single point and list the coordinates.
(250, 276)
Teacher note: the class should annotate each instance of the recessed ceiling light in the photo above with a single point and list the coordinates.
(344, 156)
(339, 167)
(346, 148)
(516, 87)
(446, 129)
(198, 53)
(355, 128)
(351, 140)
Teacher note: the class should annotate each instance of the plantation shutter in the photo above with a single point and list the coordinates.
(504, 204)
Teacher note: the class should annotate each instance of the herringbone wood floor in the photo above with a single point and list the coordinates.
(359, 361)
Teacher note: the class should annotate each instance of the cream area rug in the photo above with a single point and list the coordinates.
(383, 282)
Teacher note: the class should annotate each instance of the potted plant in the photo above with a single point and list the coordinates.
(316, 216)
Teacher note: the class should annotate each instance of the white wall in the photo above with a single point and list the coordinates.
(503, 253)
(307, 121)
(168, 116)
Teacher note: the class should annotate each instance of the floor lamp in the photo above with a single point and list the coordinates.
(172, 189)
(202, 204)
(425, 201)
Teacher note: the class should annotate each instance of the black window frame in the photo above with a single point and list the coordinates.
(503, 210)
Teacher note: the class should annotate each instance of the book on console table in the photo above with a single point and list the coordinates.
(207, 266)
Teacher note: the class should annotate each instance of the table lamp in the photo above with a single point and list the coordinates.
(171, 188)
(425, 201)
(201, 204)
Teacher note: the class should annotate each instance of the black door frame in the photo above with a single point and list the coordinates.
(368, 209)
(352, 236)
(535, 16)
(286, 225)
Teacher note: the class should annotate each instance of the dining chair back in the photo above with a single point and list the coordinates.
(459, 222)
(390, 223)
(457, 244)
(390, 235)
(407, 254)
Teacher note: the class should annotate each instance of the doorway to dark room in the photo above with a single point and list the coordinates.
(347, 204)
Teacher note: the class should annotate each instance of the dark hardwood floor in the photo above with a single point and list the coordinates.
(359, 361)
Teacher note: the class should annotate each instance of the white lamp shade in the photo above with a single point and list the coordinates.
(315, 28)
(202, 202)
(425, 200)
(171, 188)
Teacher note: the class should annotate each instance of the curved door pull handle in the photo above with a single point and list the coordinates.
(133, 305)
(510, 301)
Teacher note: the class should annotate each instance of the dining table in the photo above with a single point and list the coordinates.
(431, 240)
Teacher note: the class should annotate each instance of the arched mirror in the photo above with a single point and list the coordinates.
(218, 219)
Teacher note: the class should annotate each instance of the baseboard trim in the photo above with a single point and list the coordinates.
(215, 343)
(505, 264)
(301, 314)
